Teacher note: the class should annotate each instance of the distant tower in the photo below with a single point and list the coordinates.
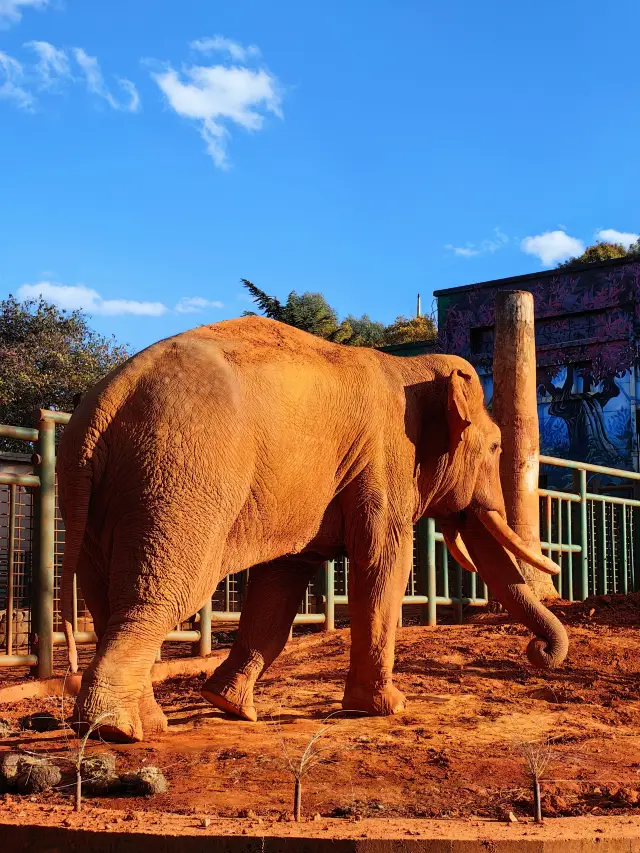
(418, 313)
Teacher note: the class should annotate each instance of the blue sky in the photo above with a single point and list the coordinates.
(153, 153)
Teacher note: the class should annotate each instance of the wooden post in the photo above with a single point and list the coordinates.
(516, 412)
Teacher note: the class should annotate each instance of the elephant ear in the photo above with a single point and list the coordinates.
(458, 413)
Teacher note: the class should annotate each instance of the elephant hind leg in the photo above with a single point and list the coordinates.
(274, 594)
(157, 578)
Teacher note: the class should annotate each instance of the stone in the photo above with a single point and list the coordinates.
(37, 778)
(6, 729)
(146, 782)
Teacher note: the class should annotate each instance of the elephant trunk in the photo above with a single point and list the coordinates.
(499, 570)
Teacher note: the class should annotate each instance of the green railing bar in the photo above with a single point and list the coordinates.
(564, 496)
(614, 562)
(570, 552)
(587, 466)
(20, 433)
(329, 591)
(625, 568)
(55, 417)
(584, 542)
(29, 481)
(458, 595)
(423, 599)
(607, 499)
(431, 572)
(559, 529)
(445, 572)
(564, 547)
(602, 563)
(10, 566)
(42, 625)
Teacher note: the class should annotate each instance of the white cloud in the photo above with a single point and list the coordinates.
(610, 235)
(79, 297)
(499, 240)
(52, 65)
(20, 82)
(95, 83)
(195, 304)
(12, 78)
(218, 95)
(220, 44)
(552, 247)
(11, 10)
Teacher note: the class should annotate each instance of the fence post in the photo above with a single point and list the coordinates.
(431, 571)
(44, 571)
(584, 537)
(204, 645)
(329, 596)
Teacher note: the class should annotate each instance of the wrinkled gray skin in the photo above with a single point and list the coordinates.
(252, 444)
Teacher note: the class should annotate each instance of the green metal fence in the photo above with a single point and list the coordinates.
(593, 536)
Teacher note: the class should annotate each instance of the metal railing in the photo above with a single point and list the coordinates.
(593, 536)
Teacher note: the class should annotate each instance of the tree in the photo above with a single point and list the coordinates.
(312, 313)
(600, 251)
(308, 311)
(406, 330)
(634, 250)
(47, 356)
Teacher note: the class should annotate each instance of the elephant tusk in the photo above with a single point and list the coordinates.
(458, 551)
(500, 530)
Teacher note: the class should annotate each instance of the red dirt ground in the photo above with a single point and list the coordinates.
(454, 752)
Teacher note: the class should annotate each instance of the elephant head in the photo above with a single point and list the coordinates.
(470, 508)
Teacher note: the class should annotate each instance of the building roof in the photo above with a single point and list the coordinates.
(535, 276)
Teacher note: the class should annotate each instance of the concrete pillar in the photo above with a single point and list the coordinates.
(516, 412)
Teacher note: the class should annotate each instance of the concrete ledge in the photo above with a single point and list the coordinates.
(70, 685)
(165, 833)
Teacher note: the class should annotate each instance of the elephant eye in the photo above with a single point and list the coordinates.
(495, 447)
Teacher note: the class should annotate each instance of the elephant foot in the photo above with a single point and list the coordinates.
(378, 701)
(153, 718)
(116, 725)
(232, 695)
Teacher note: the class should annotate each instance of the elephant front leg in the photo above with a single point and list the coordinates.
(274, 594)
(375, 599)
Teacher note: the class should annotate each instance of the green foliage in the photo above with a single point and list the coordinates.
(634, 250)
(46, 357)
(600, 251)
(312, 313)
(406, 330)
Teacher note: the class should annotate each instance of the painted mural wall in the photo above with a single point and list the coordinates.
(587, 327)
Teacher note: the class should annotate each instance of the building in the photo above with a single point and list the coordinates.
(587, 332)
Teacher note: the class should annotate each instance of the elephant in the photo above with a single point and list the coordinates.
(252, 444)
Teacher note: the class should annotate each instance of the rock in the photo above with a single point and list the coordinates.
(38, 778)
(40, 722)
(99, 777)
(100, 763)
(9, 768)
(6, 729)
(317, 817)
(511, 818)
(205, 822)
(628, 796)
(146, 782)
(247, 813)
